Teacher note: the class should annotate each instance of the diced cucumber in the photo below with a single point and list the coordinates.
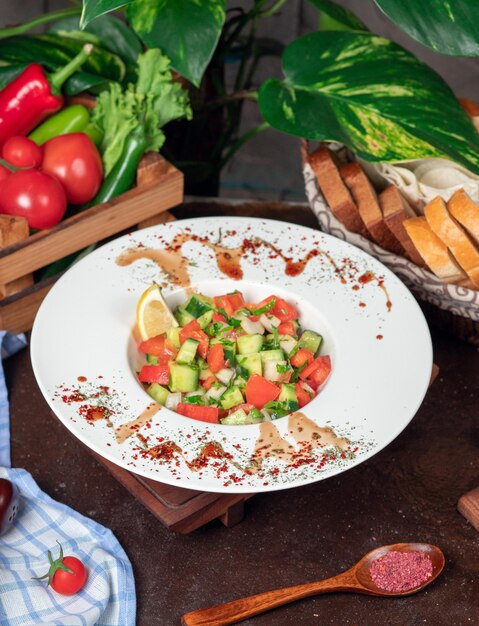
(272, 355)
(247, 344)
(205, 373)
(255, 416)
(231, 398)
(240, 381)
(158, 393)
(288, 394)
(198, 304)
(310, 340)
(236, 418)
(183, 377)
(152, 360)
(182, 317)
(205, 319)
(280, 409)
(173, 335)
(187, 352)
(251, 363)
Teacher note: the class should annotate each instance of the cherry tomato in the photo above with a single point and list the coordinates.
(67, 574)
(68, 583)
(22, 152)
(9, 501)
(4, 172)
(75, 161)
(37, 196)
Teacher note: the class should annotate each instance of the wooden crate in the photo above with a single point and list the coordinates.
(159, 187)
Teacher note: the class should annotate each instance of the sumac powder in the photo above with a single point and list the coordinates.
(401, 571)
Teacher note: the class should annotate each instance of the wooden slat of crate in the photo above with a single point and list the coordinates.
(12, 230)
(94, 224)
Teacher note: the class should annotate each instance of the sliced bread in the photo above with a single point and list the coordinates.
(466, 212)
(433, 250)
(335, 191)
(454, 237)
(396, 210)
(368, 205)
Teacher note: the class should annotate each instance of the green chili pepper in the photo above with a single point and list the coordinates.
(72, 119)
(122, 177)
(95, 135)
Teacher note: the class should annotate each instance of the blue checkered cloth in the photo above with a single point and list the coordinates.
(108, 598)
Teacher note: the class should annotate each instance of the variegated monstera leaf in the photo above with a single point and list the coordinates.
(371, 95)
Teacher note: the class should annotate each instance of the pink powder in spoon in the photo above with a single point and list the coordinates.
(401, 571)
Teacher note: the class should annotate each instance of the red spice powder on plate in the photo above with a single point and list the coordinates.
(401, 571)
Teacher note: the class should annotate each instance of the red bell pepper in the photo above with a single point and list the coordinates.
(259, 391)
(32, 96)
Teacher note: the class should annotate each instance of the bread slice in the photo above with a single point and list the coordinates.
(433, 250)
(335, 191)
(454, 237)
(368, 206)
(396, 209)
(466, 212)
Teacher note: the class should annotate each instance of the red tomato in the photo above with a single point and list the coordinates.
(193, 331)
(4, 172)
(245, 406)
(67, 575)
(68, 583)
(217, 317)
(22, 152)
(154, 346)
(216, 358)
(301, 357)
(35, 195)
(284, 311)
(303, 396)
(208, 382)
(222, 302)
(259, 391)
(198, 412)
(317, 371)
(236, 300)
(287, 328)
(155, 374)
(75, 161)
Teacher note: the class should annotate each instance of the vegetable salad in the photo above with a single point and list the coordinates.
(231, 362)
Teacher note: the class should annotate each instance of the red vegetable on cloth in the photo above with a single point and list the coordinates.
(32, 96)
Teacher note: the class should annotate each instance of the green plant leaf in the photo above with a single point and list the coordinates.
(187, 31)
(340, 18)
(94, 8)
(447, 26)
(370, 94)
(114, 35)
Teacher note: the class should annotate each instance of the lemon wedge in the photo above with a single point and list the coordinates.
(153, 316)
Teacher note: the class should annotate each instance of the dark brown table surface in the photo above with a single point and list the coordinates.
(408, 492)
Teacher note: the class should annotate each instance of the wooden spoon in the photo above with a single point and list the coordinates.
(354, 580)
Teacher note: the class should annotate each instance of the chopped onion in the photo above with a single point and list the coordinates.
(269, 322)
(199, 392)
(270, 371)
(172, 400)
(307, 388)
(288, 344)
(215, 392)
(252, 328)
(266, 415)
(206, 373)
(225, 375)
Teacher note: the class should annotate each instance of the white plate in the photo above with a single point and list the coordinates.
(381, 355)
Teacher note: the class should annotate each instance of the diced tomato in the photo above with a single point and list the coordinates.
(253, 318)
(217, 317)
(193, 331)
(301, 357)
(155, 374)
(236, 300)
(222, 302)
(284, 311)
(303, 396)
(317, 371)
(216, 358)
(287, 328)
(208, 382)
(153, 346)
(285, 377)
(261, 304)
(198, 412)
(259, 391)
